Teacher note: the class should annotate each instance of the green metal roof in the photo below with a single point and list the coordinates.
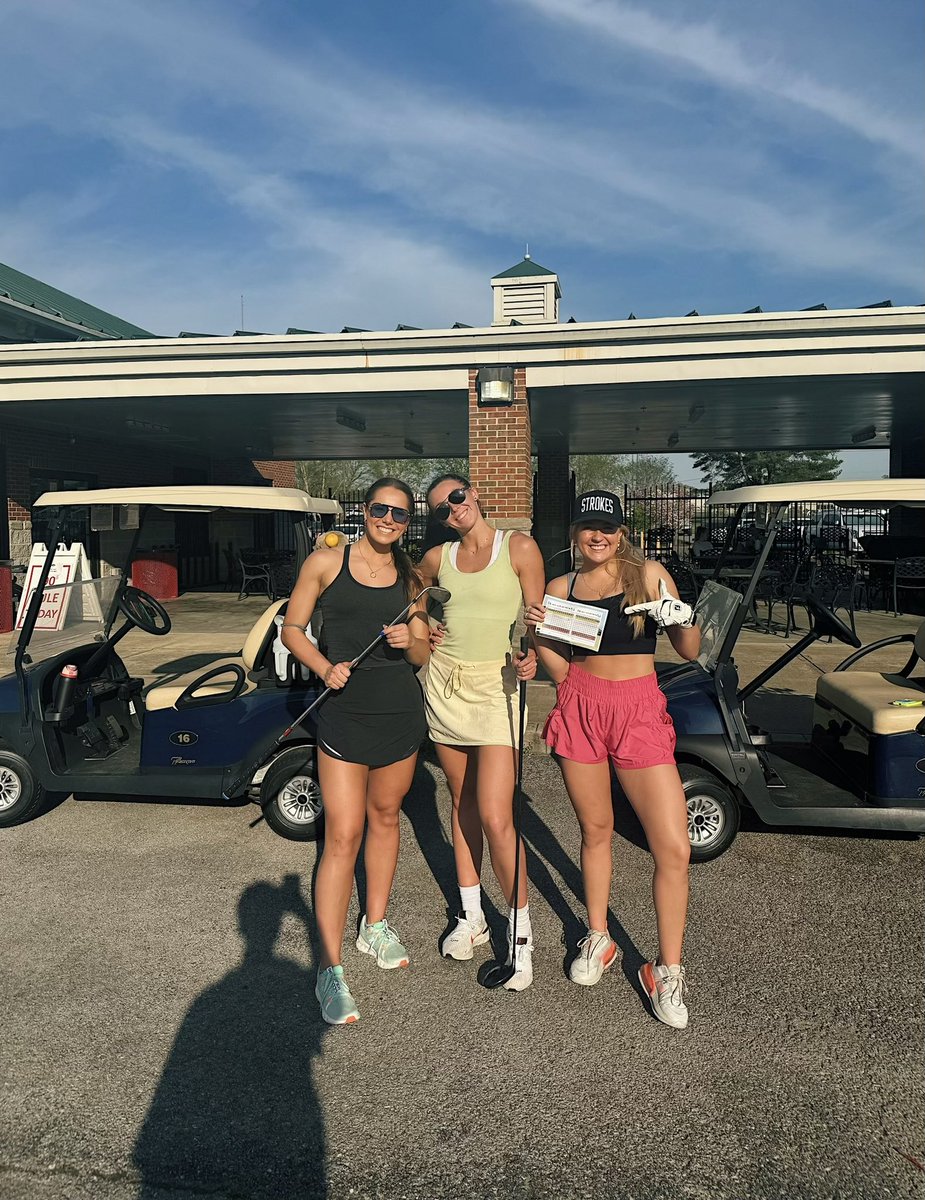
(48, 301)
(527, 267)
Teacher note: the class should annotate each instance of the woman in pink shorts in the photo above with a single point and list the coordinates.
(610, 709)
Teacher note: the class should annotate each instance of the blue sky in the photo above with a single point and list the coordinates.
(370, 164)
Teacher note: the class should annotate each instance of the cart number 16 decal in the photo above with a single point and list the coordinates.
(184, 738)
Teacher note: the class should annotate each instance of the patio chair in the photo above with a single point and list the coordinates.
(775, 585)
(259, 573)
(838, 583)
(908, 575)
(798, 586)
(684, 577)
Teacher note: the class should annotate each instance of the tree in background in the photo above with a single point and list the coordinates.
(613, 472)
(741, 468)
(343, 476)
(337, 476)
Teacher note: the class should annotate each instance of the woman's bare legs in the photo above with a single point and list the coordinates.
(657, 796)
(588, 787)
(495, 777)
(385, 791)
(459, 764)
(344, 786)
(481, 782)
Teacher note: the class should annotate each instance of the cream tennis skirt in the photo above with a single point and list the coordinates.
(470, 703)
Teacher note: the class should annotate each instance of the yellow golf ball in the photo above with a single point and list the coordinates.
(331, 539)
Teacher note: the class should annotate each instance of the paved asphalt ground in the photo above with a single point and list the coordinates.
(159, 1036)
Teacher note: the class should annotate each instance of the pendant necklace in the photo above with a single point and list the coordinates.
(373, 573)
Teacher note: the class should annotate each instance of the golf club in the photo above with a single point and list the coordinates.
(441, 595)
(499, 975)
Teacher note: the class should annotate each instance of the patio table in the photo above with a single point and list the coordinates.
(890, 564)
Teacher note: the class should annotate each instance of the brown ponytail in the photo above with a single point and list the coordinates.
(407, 571)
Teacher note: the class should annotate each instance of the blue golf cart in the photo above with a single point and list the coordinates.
(859, 763)
(99, 731)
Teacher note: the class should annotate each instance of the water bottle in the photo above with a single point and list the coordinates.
(64, 688)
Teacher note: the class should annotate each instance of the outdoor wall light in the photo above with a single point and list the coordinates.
(414, 447)
(350, 420)
(673, 438)
(495, 387)
(867, 434)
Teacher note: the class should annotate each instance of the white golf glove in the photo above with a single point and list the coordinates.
(666, 610)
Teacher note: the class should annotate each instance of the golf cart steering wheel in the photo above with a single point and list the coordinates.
(825, 622)
(144, 611)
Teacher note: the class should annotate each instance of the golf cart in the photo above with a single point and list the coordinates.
(859, 765)
(73, 719)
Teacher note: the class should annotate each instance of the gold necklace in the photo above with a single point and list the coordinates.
(478, 548)
(607, 590)
(374, 573)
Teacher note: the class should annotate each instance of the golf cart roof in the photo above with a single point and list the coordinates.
(879, 493)
(197, 498)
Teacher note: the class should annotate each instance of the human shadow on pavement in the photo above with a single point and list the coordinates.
(543, 852)
(235, 1111)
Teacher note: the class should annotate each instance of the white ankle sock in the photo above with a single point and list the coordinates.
(471, 900)
(524, 928)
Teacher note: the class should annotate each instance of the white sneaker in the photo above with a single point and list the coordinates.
(523, 966)
(665, 987)
(596, 953)
(459, 942)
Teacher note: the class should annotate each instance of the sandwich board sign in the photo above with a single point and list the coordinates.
(69, 569)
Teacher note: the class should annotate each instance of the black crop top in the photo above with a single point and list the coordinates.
(617, 637)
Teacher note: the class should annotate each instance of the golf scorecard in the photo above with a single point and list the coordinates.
(580, 625)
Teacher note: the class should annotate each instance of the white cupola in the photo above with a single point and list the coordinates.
(526, 294)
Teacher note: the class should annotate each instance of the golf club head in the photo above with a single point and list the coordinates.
(439, 594)
(497, 976)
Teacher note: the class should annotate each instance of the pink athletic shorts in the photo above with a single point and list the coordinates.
(625, 720)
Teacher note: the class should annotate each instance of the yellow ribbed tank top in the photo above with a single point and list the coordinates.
(483, 606)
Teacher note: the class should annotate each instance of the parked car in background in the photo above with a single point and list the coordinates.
(836, 530)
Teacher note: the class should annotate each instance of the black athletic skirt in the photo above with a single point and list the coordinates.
(377, 719)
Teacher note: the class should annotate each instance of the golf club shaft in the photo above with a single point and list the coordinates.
(519, 804)
(240, 780)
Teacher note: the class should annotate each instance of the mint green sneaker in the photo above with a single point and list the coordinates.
(381, 940)
(337, 1005)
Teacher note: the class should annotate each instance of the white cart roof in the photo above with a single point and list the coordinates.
(879, 493)
(198, 498)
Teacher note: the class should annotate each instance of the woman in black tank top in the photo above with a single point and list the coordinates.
(369, 729)
(610, 709)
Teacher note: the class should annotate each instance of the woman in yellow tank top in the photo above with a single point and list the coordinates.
(470, 699)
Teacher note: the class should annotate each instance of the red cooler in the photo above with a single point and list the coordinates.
(155, 572)
(6, 599)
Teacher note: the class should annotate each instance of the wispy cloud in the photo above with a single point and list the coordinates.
(701, 47)
(330, 185)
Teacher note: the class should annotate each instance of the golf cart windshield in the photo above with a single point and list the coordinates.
(716, 609)
(71, 615)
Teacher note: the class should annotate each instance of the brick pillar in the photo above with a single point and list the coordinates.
(500, 448)
(553, 508)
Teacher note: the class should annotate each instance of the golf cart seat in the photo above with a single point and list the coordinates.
(252, 658)
(866, 697)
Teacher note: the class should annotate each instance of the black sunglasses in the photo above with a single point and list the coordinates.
(401, 516)
(456, 496)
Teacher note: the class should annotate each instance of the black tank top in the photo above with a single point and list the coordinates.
(353, 613)
(617, 637)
